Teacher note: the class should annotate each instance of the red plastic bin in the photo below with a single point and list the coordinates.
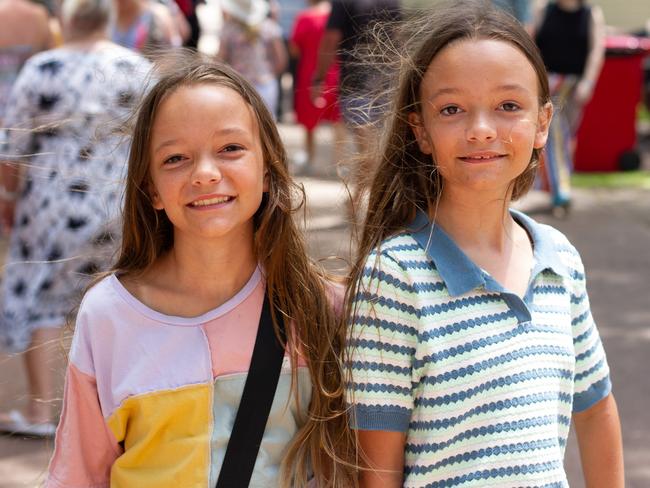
(608, 128)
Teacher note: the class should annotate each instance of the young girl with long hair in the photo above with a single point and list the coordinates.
(163, 344)
(472, 344)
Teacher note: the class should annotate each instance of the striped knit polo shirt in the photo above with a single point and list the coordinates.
(482, 382)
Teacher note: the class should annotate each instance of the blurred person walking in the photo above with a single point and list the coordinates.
(60, 190)
(287, 11)
(570, 35)
(144, 26)
(347, 31)
(305, 40)
(25, 31)
(252, 44)
(188, 9)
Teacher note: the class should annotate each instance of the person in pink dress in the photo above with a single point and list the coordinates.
(308, 29)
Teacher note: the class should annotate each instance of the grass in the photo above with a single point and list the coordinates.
(628, 179)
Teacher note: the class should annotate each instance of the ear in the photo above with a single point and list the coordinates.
(420, 133)
(156, 203)
(543, 124)
(265, 183)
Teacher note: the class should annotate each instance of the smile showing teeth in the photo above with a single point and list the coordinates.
(481, 157)
(210, 201)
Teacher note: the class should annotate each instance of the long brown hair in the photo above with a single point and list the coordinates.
(406, 179)
(294, 283)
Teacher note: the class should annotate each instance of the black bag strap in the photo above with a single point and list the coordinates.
(255, 404)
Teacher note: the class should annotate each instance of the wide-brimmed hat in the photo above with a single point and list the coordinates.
(250, 12)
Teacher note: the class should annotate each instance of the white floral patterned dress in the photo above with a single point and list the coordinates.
(61, 123)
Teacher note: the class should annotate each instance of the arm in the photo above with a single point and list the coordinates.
(595, 58)
(278, 53)
(382, 341)
(167, 24)
(84, 447)
(9, 182)
(15, 140)
(326, 55)
(46, 27)
(382, 456)
(294, 50)
(538, 9)
(594, 409)
(601, 449)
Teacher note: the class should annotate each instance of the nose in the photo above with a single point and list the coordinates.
(206, 171)
(481, 128)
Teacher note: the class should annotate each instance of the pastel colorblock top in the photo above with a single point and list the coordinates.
(150, 399)
(482, 381)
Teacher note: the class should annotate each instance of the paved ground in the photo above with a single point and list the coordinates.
(610, 228)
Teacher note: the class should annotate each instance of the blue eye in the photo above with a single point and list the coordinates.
(450, 110)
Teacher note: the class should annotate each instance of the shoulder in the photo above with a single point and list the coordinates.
(45, 63)
(36, 13)
(123, 59)
(401, 249)
(400, 263)
(555, 242)
(99, 307)
(101, 298)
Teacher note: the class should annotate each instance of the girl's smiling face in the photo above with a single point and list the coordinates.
(206, 162)
(480, 115)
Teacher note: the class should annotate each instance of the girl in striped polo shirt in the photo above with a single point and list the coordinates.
(472, 345)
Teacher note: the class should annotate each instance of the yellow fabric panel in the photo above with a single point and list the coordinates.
(166, 438)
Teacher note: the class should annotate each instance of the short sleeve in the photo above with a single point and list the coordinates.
(591, 377)
(382, 347)
(299, 31)
(84, 447)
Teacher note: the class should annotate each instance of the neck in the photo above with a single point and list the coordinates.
(476, 220)
(569, 5)
(84, 40)
(216, 270)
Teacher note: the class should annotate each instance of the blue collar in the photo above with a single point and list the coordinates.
(460, 273)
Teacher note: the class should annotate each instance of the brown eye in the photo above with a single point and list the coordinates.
(450, 110)
(232, 148)
(510, 107)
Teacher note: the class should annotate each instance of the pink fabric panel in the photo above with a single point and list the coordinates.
(84, 448)
(232, 337)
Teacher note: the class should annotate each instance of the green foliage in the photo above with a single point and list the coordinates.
(628, 179)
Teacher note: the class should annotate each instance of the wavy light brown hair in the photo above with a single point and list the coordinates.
(294, 283)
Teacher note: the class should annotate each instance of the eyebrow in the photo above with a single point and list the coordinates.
(223, 132)
(454, 91)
